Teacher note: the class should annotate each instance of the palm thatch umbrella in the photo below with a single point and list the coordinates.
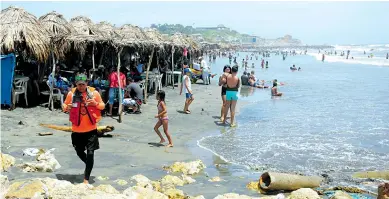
(107, 30)
(155, 36)
(86, 33)
(20, 30)
(134, 35)
(59, 29)
(84, 26)
(56, 24)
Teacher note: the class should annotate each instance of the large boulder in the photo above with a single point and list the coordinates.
(173, 180)
(40, 188)
(304, 193)
(27, 189)
(341, 195)
(156, 186)
(174, 194)
(187, 168)
(6, 161)
(46, 162)
(4, 184)
(106, 188)
(187, 179)
(137, 192)
(234, 196)
(142, 181)
(121, 182)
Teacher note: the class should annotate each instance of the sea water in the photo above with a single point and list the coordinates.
(333, 118)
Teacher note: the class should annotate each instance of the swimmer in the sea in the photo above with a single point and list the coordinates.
(274, 91)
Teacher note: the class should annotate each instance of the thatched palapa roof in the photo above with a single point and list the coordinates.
(83, 26)
(20, 31)
(181, 40)
(107, 30)
(56, 24)
(86, 33)
(133, 35)
(155, 36)
(59, 29)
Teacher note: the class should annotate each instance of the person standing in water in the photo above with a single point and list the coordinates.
(267, 64)
(163, 119)
(262, 63)
(323, 58)
(226, 72)
(84, 105)
(387, 55)
(233, 83)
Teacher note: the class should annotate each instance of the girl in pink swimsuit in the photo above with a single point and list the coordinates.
(163, 119)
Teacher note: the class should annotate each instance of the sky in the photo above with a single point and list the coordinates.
(311, 22)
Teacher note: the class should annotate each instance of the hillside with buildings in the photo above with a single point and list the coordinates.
(224, 34)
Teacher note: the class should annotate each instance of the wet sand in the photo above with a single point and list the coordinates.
(128, 152)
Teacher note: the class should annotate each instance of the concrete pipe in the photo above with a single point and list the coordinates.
(372, 174)
(270, 181)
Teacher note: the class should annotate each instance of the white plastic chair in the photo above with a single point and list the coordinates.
(20, 88)
(142, 84)
(56, 93)
(158, 84)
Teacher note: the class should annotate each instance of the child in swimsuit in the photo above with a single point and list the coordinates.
(163, 119)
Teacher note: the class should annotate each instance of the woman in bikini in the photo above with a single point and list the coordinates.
(222, 83)
(163, 119)
(233, 84)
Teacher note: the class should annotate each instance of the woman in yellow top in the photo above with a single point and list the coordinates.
(84, 105)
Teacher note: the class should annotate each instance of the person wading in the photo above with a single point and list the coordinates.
(84, 105)
(226, 72)
(233, 83)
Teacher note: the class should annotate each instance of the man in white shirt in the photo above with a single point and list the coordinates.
(206, 71)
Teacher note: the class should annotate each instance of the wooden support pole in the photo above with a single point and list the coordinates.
(51, 100)
(102, 55)
(147, 76)
(120, 88)
(159, 79)
(173, 66)
(93, 62)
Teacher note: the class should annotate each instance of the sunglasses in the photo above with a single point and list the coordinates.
(80, 78)
(81, 84)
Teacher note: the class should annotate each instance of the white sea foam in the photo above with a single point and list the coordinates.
(377, 61)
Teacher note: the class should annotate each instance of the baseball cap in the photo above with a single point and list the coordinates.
(186, 70)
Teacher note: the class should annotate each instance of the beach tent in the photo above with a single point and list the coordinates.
(7, 75)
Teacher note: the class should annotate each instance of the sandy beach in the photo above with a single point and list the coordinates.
(128, 152)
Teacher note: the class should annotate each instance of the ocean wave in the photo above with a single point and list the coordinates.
(377, 61)
(362, 48)
(220, 156)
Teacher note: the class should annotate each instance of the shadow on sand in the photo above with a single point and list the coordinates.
(155, 144)
(74, 179)
(218, 123)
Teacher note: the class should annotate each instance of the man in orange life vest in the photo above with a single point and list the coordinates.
(84, 105)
